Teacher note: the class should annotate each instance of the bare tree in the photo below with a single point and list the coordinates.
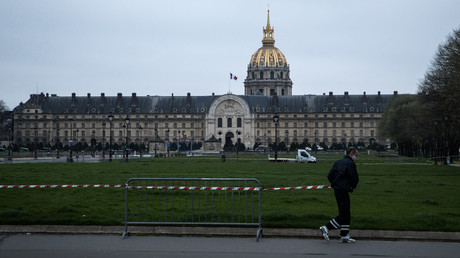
(429, 122)
(440, 93)
(3, 106)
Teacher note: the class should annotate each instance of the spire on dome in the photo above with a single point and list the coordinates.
(268, 39)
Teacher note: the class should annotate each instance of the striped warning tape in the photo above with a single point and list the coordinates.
(206, 188)
(299, 187)
(202, 188)
(58, 186)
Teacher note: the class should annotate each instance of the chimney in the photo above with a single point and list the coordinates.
(172, 96)
(364, 97)
(119, 99)
(395, 92)
(47, 94)
(331, 97)
(89, 98)
(378, 98)
(102, 98)
(346, 98)
(189, 99)
(74, 98)
(133, 99)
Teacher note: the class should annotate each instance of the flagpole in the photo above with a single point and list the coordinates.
(232, 77)
(229, 81)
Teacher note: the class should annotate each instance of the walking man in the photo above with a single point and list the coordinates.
(343, 177)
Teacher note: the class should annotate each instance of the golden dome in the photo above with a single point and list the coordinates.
(268, 55)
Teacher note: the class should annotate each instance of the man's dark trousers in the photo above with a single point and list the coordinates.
(342, 221)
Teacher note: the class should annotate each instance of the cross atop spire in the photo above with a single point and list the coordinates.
(268, 39)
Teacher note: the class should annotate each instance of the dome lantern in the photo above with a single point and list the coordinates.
(268, 39)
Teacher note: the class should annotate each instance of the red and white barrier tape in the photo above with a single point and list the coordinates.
(202, 188)
(58, 186)
(207, 188)
(299, 187)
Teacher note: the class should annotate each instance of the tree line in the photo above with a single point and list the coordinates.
(428, 123)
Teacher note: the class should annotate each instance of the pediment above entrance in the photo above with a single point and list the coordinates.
(229, 105)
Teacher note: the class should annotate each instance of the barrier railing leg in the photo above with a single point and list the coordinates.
(259, 234)
(126, 233)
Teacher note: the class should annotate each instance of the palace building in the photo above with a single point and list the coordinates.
(248, 118)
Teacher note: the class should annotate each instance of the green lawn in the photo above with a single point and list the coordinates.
(393, 193)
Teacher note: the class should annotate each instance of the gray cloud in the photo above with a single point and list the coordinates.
(164, 47)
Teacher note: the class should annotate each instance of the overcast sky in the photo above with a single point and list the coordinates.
(164, 47)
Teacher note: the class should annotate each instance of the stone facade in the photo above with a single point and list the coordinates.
(303, 118)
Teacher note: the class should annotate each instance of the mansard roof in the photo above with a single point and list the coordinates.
(200, 104)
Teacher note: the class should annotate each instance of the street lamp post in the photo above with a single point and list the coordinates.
(155, 140)
(178, 144)
(184, 137)
(168, 144)
(316, 136)
(71, 141)
(103, 139)
(237, 141)
(9, 144)
(276, 120)
(140, 140)
(110, 117)
(345, 135)
(93, 143)
(76, 138)
(57, 143)
(127, 125)
(35, 142)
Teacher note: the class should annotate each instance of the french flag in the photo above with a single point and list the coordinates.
(233, 77)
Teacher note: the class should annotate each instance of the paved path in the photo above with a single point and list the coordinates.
(45, 245)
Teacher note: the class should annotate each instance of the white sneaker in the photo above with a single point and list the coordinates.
(325, 232)
(347, 239)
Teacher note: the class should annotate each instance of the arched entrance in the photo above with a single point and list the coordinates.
(228, 139)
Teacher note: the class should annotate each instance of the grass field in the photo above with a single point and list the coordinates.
(394, 193)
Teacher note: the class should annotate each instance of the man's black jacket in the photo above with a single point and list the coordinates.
(343, 175)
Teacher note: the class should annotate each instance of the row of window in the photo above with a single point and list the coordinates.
(272, 75)
(192, 125)
(325, 125)
(316, 133)
(268, 116)
(121, 134)
(96, 126)
(119, 116)
(272, 92)
(229, 122)
(287, 116)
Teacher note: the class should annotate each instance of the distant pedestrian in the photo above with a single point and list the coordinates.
(223, 157)
(343, 177)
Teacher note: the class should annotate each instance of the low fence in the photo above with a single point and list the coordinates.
(193, 201)
(188, 201)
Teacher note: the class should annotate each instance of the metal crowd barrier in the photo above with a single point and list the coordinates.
(193, 201)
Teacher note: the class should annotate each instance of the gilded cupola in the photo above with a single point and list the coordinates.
(268, 55)
(268, 70)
